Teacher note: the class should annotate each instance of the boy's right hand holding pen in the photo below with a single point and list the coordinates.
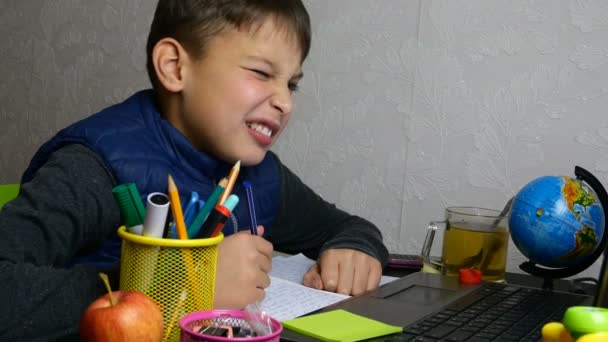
(244, 262)
(244, 259)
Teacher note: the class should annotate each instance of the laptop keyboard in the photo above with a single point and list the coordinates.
(492, 312)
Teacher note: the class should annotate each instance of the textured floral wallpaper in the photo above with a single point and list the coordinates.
(406, 107)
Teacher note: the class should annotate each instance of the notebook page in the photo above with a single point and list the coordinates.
(291, 268)
(294, 267)
(286, 300)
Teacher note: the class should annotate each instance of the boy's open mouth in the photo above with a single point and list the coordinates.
(261, 128)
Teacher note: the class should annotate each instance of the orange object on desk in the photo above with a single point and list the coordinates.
(469, 276)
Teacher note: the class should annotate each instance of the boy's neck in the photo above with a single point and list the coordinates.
(166, 102)
(170, 106)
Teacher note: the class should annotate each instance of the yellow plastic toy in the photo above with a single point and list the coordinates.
(581, 324)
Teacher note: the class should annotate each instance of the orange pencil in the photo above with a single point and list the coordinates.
(223, 182)
(182, 234)
(178, 311)
(176, 210)
(234, 173)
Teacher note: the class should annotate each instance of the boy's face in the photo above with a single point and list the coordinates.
(237, 98)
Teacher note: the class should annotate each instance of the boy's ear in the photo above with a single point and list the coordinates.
(168, 57)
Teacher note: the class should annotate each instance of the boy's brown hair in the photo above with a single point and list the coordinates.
(194, 22)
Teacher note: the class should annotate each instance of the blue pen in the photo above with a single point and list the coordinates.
(192, 208)
(194, 205)
(252, 219)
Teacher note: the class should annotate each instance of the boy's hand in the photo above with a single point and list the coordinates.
(243, 264)
(345, 271)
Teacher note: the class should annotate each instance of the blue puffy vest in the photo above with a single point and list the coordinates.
(139, 146)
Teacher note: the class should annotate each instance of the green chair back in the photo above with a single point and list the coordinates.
(7, 193)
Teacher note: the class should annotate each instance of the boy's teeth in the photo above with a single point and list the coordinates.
(261, 128)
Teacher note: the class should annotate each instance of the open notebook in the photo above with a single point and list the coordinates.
(287, 298)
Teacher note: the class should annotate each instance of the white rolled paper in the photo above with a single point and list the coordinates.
(157, 209)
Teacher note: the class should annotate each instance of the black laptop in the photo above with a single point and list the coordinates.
(432, 307)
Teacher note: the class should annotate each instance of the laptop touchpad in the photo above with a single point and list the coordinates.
(422, 295)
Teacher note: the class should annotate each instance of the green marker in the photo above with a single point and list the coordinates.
(196, 225)
(131, 207)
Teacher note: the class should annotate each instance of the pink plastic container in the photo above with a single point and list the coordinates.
(233, 318)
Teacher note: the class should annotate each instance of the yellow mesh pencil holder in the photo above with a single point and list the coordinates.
(178, 274)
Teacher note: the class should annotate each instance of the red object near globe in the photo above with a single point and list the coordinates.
(469, 276)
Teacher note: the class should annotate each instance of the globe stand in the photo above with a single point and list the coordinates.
(549, 274)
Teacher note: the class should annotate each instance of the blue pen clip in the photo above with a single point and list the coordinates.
(194, 205)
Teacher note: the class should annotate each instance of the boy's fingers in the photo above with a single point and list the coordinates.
(312, 278)
(248, 231)
(263, 280)
(360, 280)
(263, 246)
(375, 273)
(346, 277)
(265, 263)
(259, 295)
(329, 274)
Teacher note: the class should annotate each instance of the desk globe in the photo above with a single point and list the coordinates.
(558, 223)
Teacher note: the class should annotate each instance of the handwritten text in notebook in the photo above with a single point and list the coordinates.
(287, 298)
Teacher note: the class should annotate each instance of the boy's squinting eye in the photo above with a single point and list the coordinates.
(261, 73)
(293, 86)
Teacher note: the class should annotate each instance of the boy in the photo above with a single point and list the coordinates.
(223, 74)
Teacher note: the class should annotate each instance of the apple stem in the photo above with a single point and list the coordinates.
(106, 282)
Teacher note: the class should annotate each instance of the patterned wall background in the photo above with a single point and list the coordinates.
(406, 107)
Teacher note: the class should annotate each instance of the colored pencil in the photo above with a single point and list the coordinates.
(201, 216)
(234, 173)
(176, 210)
(178, 311)
(182, 234)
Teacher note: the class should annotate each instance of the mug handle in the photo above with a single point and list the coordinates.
(428, 264)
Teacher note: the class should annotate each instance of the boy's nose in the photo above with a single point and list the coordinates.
(282, 100)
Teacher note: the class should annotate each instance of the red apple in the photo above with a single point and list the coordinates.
(122, 316)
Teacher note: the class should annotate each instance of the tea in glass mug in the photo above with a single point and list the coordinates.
(473, 238)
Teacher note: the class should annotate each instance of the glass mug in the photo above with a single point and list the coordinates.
(473, 238)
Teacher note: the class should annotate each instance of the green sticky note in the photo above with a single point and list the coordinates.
(339, 325)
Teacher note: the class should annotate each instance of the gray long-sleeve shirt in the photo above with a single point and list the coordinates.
(68, 207)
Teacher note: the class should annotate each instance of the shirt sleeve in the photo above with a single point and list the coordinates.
(66, 208)
(308, 224)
